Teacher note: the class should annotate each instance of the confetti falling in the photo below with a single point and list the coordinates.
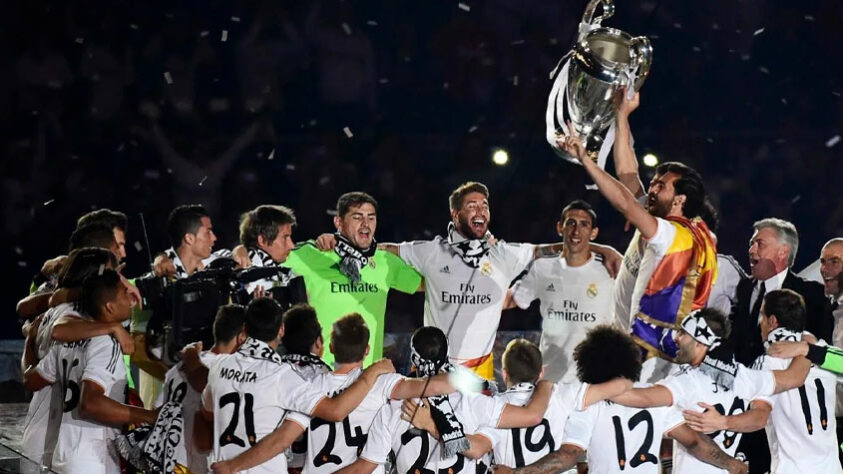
(809, 17)
(80, 40)
(133, 26)
(203, 181)
(235, 19)
(291, 167)
(224, 36)
(138, 246)
(473, 129)
(517, 42)
(271, 155)
(347, 132)
(18, 250)
(764, 70)
(758, 32)
(346, 28)
(168, 78)
(49, 202)
(204, 33)
(832, 141)
(383, 80)
(101, 269)
(372, 23)
(515, 81)
(464, 7)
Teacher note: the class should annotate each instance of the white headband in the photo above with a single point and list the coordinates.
(696, 327)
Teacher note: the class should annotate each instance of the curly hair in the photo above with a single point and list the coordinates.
(606, 353)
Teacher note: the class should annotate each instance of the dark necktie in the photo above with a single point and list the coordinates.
(756, 308)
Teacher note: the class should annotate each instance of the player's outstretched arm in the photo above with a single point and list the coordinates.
(337, 408)
(95, 405)
(560, 460)
(794, 376)
(711, 420)
(71, 329)
(422, 387)
(360, 466)
(606, 391)
(703, 448)
(655, 396)
(267, 448)
(531, 414)
(626, 164)
(33, 305)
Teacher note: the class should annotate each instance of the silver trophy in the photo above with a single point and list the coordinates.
(602, 61)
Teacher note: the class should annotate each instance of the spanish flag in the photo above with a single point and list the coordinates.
(680, 284)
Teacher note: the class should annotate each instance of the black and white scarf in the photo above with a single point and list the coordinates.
(308, 366)
(471, 251)
(782, 334)
(719, 362)
(353, 259)
(262, 259)
(451, 431)
(157, 448)
(258, 350)
(177, 263)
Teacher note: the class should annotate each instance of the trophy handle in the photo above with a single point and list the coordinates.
(642, 53)
(588, 15)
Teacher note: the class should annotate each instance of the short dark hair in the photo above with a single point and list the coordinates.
(582, 206)
(228, 322)
(606, 353)
(104, 216)
(184, 220)
(263, 319)
(788, 306)
(82, 263)
(301, 329)
(349, 338)
(522, 361)
(430, 343)
(457, 196)
(93, 235)
(264, 221)
(97, 290)
(716, 321)
(689, 184)
(354, 198)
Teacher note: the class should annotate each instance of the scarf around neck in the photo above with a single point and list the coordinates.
(157, 448)
(353, 259)
(258, 350)
(782, 334)
(471, 251)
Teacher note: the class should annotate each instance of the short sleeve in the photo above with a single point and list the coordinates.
(103, 357)
(206, 358)
(579, 427)
(487, 411)
(495, 436)
(663, 238)
(401, 276)
(672, 418)
(47, 366)
(208, 398)
(417, 253)
(680, 386)
(379, 440)
(300, 418)
(524, 290)
(302, 396)
(385, 384)
(754, 384)
(518, 256)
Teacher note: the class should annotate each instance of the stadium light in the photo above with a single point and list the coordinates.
(651, 160)
(500, 157)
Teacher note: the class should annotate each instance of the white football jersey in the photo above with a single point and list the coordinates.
(518, 447)
(802, 429)
(449, 284)
(38, 426)
(729, 273)
(573, 301)
(297, 452)
(416, 452)
(84, 445)
(332, 446)
(249, 392)
(691, 386)
(620, 439)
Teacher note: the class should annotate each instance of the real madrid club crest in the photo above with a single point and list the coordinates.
(372, 262)
(592, 290)
(486, 268)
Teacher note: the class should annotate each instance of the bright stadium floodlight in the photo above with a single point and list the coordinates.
(500, 157)
(651, 160)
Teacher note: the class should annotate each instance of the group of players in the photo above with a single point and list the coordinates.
(633, 349)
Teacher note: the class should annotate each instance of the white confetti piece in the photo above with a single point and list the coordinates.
(784, 101)
(169, 171)
(758, 32)
(80, 40)
(291, 167)
(133, 26)
(835, 93)
(18, 250)
(464, 7)
(224, 36)
(138, 246)
(809, 17)
(346, 28)
(235, 19)
(203, 181)
(553, 41)
(445, 85)
(204, 33)
(47, 203)
(677, 25)
(101, 269)
(764, 70)
(372, 23)
(515, 81)
(709, 140)
(517, 42)
(796, 199)
(312, 122)
(696, 49)
(21, 263)
(745, 57)
(383, 80)
(271, 155)
(654, 36)
(168, 77)
(832, 141)
(715, 26)
(347, 132)
(472, 129)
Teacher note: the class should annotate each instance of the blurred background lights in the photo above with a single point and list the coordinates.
(500, 157)
(651, 160)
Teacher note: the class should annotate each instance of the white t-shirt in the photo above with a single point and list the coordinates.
(418, 450)
(518, 447)
(620, 439)
(332, 446)
(448, 285)
(84, 445)
(729, 273)
(639, 262)
(573, 301)
(250, 395)
(691, 386)
(802, 429)
(38, 426)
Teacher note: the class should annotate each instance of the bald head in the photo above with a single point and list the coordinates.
(831, 266)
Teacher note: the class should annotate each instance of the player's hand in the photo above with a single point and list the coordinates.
(240, 254)
(808, 337)
(164, 267)
(708, 421)
(190, 356)
(53, 265)
(572, 144)
(612, 259)
(499, 469)
(127, 343)
(738, 467)
(222, 467)
(326, 242)
(624, 106)
(418, 414)
(259, 292)
(788, 350)
(134, 293)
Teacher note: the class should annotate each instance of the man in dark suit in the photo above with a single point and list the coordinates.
(772, 251)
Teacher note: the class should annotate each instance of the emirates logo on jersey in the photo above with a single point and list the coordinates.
(591, 291)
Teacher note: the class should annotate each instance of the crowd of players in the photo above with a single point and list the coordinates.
(667, 341)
